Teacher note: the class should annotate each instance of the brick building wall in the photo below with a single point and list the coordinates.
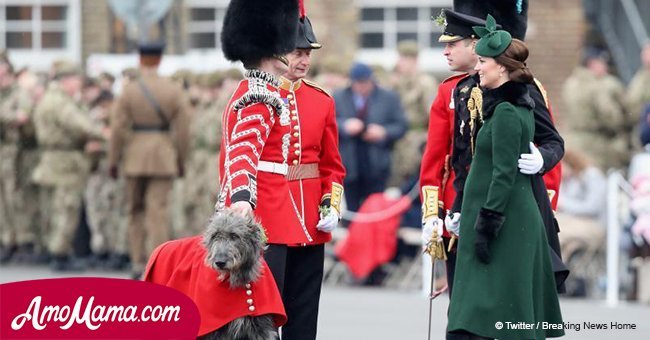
(556, 30)
(335, 26)
(95, 27)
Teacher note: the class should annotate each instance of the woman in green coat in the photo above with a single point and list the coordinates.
(504, 286)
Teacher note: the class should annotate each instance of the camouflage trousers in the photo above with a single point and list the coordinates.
(62, 207)
(106, 213)
(18, 196)
(200, 190)
(407, 156)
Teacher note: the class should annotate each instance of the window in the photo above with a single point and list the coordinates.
(383, 24)
(205, 21)
(34, 25)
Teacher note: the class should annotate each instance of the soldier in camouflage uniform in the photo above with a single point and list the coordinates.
(104, 197)
(201, 184)
(332, 73)
(417, 90)
(63, 130)
(18, 153)
(638, 93)
(597, 117)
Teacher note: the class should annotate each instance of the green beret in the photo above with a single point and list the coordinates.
(493, 42)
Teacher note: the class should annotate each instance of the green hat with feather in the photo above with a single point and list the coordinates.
(493, 42)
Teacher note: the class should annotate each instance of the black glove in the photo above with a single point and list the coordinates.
(488, 224)
(112, 171)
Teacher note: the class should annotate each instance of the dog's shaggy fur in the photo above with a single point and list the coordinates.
(235, 246)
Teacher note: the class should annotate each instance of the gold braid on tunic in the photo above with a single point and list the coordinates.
(475, 107)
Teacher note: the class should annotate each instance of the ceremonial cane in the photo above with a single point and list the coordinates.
(436, 250)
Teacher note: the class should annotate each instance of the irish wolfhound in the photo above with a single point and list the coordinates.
(235, 245)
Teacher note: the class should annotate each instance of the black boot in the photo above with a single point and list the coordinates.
(66, 263)
(24, 253)
(7, 253)
(462, 335)
(118, 262)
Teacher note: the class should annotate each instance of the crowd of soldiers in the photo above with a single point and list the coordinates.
(602, 115)
(58, 201)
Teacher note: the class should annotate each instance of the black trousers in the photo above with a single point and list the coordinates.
(450, 264)
(298, 272)
(358, 190)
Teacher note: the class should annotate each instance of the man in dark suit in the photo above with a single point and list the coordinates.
(370, 120)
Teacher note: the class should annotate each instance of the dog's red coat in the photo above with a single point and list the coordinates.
(180, 264)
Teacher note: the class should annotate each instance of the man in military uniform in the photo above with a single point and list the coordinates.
(597, 114)
(466, 101)
(149, 128)
(18, 154)
(104, 197)
(638, 93)
(202, 178)
(315, 176)
(63, 130)
(416, 90)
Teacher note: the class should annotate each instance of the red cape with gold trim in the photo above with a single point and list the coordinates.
(180, 264)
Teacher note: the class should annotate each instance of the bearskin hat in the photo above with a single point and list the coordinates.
(258, 29)
(512, 15)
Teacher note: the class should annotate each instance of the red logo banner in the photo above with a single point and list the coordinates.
(95, 308)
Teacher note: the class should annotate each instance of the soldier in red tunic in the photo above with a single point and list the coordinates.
(466, 122)
(254, 154)
(436, 174)
(314, 174)
(453, 126)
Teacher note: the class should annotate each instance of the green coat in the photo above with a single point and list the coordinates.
(518, 284)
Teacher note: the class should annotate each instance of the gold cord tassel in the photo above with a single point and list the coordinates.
(435, 248)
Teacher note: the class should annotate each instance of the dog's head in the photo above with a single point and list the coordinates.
(234, 244)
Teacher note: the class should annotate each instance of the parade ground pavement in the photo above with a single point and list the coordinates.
(360, 313)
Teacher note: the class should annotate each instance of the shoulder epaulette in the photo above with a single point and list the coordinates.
(316, 86)
(455, 76)
(542, 90)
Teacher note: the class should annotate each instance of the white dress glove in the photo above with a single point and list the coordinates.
(328, 223)
(531, 163)
(452, 223)
(429, 226)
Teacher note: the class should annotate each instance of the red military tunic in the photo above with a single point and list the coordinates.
(254, 154)
(436, 174)
(180, 264)
(315, 165)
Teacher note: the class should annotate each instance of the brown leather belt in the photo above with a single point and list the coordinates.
(303, 171)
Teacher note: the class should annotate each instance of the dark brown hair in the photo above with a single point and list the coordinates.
(514, 60)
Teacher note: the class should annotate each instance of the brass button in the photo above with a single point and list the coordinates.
(297, 152)
(296, 127)
(249, 292)
(292, 102)
(289, 96)
(295, 162)
(248, 286)
(297, 145)
(249, 301)
(251, 308)
(295, 112)
(294, 118)
(296, 134)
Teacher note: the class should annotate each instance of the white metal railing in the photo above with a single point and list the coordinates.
(617, 186)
